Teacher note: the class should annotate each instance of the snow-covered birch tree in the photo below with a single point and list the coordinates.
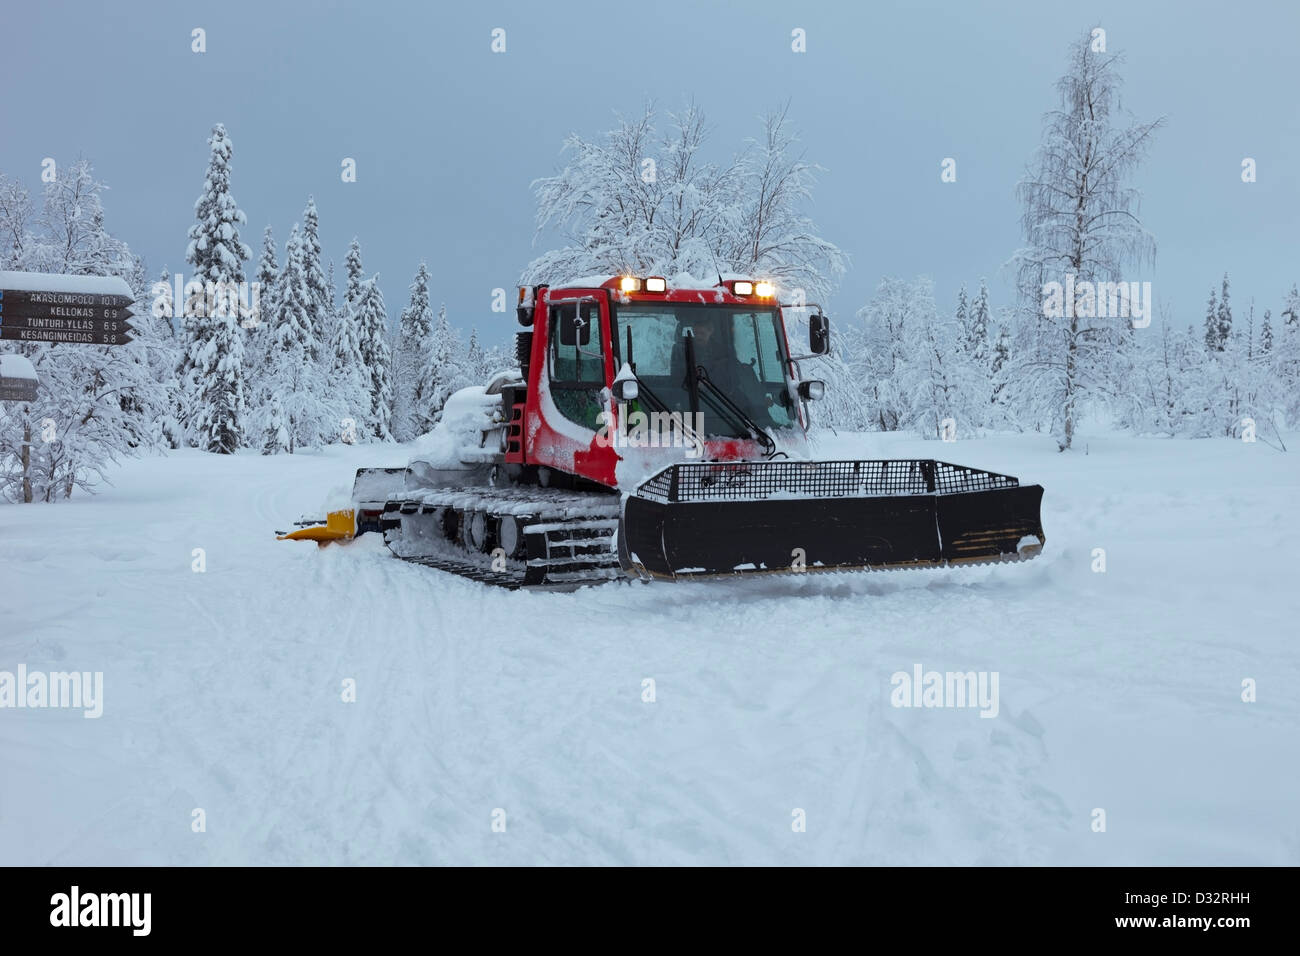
(1080, 219)
(634, 200)
(95, 403)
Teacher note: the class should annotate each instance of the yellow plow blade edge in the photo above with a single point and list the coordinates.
(338, 526)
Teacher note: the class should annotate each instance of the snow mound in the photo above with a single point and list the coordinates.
(467, 414)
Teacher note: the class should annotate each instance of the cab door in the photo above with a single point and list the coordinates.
(577, 358)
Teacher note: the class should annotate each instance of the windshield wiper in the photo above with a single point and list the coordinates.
(738, 414)
(696, 375)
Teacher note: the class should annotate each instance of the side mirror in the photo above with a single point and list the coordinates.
(625, 389)
(819, 334)
(574, 328)
(812, 389)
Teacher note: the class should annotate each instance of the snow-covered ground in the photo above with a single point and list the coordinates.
(223, 689)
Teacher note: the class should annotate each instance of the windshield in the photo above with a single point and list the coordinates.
(741, 350)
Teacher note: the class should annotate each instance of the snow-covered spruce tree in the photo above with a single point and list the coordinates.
(976, 340)
(411, 357)
(1223, 315)
(211, 370)
(332, 305)
(1213, 343)
(275, 428)
(216, 355)
(268, 277)
(1290, 313)
(1231, 372)
(353, 272)
(961, 315)
(349, 378)
(444, 371)
(1233, 383)
(1000, 367)
(971, 361)
(1080, 219)
(474, 356)
(349, 374)
(94, 404)
(1250, 329)
(632, 201)
(291, 373)
(376, 357)
(494, 359)
(322, 296)
(257, 328)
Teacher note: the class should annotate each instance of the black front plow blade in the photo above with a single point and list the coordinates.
(739, 517)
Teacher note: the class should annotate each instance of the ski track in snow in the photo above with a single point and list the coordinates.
(223, 690)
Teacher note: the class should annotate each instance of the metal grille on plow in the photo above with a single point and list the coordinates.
(741, 480)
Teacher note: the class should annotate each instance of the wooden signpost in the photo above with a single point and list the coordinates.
(59, 309)
(40, 307)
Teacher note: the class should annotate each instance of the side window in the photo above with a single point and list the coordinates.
(577, 362)
(577, 356)
(769, 349)
(745, 339)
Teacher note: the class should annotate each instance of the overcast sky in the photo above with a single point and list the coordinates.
(447, 135)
